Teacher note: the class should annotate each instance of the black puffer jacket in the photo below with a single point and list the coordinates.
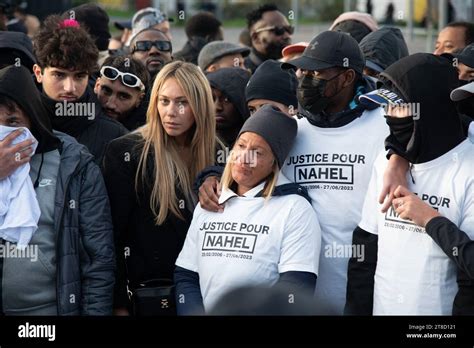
(85, 246)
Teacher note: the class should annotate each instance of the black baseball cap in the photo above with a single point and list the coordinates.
(330, 49)
(466, 56)
(122, 25)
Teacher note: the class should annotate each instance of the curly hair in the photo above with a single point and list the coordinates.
(60, 44)
(257, 14)
(129, 65)
(203, 24)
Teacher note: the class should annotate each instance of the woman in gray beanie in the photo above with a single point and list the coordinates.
(267, 234)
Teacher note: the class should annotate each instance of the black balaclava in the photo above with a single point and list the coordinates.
(17, 84)
(428, 80)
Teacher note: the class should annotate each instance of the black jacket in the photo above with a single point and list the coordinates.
(137, 117)
(190, 51)
(94, 133)
(152, 249)
(449, 238)
(84, 249)
(253, 60)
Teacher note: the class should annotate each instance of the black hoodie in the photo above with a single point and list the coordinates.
(384, 47)
(232, 82)
(15, 45)
(428, 80)
(17, 84)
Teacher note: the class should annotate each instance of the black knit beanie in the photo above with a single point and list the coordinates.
(96, 21)
(270, 82)
(277, 128)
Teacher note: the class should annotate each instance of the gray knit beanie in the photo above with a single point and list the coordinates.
(277, 128)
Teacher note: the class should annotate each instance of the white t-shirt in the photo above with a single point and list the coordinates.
(334, 164)
(471, 132)
(251, 242)
(413, 275)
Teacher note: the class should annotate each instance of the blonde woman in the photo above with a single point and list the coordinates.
(261, 238)
(149, 174)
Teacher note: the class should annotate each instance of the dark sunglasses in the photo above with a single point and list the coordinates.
(278, 30)
(164, 46)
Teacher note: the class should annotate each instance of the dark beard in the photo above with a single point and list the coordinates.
(274, 49)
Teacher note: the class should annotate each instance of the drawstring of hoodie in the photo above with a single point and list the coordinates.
(36, 184)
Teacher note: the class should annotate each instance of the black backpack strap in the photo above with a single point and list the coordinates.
(289, 189)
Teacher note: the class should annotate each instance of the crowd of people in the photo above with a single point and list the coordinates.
(334, 176)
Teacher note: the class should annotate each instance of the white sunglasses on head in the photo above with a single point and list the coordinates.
(128, 79)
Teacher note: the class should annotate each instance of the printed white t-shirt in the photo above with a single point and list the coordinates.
(413, 275)
(251, 242)
(335, 164)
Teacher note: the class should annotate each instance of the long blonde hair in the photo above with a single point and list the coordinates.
(169, 168)
(270, 182)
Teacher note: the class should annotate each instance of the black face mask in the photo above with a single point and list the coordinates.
(401, 134)
(311, 92)
(273, 49)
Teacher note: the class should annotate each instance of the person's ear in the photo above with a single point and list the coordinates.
(255, 38)
(97, 86)
(349, 77)
(140, 99)
(38, 73)
(211, 68)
